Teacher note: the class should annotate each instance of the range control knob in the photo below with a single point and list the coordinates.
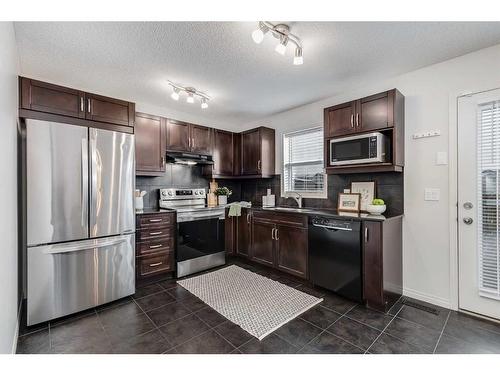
(163, 193)
(170, 193)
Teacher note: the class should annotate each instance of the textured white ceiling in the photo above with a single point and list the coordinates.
(246, 81)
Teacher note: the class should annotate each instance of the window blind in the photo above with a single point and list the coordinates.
(303, 170)
(488, 154)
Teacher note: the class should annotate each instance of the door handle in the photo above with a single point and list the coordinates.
(84, 182)
(276, 235)
(248, 218)
(468, 220)
(366, 234)
(258, 165)
(88, 105)
(272, 233)
(357, 119)
(352, 120)
(82, 105)
(60, 249)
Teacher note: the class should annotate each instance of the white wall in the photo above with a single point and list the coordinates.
(9, 68)
(428, 91)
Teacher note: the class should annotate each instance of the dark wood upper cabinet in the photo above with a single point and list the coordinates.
(340, 119)
(150, 144)
(292, 252)
(58, 100)
(178, 136)
(263, 242)
(46, 97)
(257, 152)
(201, 139)
(182, 136)
(114, 111)
(376, 112)
(223, 153)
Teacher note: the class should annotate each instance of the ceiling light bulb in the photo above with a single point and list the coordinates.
(298, 58)
(204, 103)
(190, 98)
(281, 48)
(258, 35)
(175, 94)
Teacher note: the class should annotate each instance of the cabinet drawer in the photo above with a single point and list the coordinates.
(154, 264)
(153, 246)
(281, 218)
(155, 233)
(155, 220)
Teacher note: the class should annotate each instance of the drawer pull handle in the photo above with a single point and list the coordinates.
(155, 220)
(155, 264)
(155, 246)
(155, 233)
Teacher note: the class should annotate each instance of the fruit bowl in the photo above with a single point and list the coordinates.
(376, 209)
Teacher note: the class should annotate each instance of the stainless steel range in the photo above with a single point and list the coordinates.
(200, 230)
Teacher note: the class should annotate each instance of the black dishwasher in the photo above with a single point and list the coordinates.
(335, 256)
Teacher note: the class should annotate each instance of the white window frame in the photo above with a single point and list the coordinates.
(304, 194)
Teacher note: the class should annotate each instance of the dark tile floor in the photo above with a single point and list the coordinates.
(166, 318)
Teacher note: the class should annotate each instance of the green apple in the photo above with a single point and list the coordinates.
(378, 202)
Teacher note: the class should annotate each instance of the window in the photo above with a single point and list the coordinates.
(303, 169)
(488, 198)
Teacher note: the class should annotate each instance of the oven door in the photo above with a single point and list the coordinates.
(355, 150)
(200, 244)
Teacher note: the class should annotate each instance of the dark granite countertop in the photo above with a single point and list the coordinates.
(328, 212)
(147, 211)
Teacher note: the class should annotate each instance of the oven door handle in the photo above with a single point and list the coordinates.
(199, 217)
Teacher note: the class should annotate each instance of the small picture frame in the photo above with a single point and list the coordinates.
(349, 202)
(367, 192)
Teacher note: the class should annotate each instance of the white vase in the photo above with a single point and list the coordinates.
(222, 200)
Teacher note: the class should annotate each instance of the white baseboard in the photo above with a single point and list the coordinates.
(442, 302)
(16, 332)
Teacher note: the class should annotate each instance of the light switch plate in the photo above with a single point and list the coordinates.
(432, 194)
(442, 158)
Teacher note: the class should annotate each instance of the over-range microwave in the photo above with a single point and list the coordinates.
(360, 149)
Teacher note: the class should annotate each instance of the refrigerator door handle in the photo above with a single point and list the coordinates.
(84, 192)
(93, 185)
(61, 249)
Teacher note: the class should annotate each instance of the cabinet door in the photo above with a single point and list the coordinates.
(262, 243)
(113, 111)
(150, 144)
(250, 152)
(376, 111)
(177, 136)
(340, 119)
(292, 251)
(244, 232)
(223, 152)
(230, 234)
(372, 264)
(201, 140)
(45, 97)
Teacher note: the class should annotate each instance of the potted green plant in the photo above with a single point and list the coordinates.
(222, 194)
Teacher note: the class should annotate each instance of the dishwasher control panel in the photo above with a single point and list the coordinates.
(333, 223)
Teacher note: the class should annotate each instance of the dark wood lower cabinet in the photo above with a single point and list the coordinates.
(155, 246)
(244, 232)
(292, 250)
(263, 242)
(382, 262)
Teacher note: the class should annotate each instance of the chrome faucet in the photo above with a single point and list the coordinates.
(298, 198)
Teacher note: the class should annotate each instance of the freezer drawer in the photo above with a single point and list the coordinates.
(71, 277)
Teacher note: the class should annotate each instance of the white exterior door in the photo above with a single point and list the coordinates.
(478, 203)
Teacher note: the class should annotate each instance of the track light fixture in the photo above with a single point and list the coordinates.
(281, 32)
(191, 93)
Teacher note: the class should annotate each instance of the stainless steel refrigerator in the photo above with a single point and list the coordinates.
(80, 218)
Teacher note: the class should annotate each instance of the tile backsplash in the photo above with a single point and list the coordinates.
(389, 187)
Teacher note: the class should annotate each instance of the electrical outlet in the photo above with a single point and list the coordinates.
(441, 158)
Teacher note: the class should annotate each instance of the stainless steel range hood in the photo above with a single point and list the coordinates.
(187, 158)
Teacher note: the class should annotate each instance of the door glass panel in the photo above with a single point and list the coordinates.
(488, 154)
